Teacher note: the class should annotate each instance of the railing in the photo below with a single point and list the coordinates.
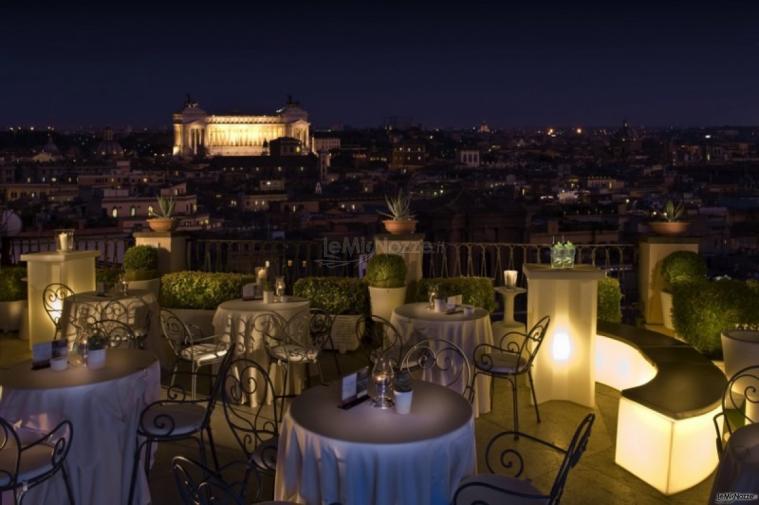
(111, 247)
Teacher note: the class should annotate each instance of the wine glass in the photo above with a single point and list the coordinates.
(433, 295)
(382, 375)
(280, 288)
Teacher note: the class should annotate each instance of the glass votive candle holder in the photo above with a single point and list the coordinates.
(510, 278)
(64, 240)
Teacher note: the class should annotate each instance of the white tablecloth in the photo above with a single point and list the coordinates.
(104, 407)
(465, 331)
(139, 302)
(738, 470)
(242, 312)
(365, 455)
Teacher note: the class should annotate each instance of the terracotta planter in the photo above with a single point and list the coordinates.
(669, 228)
(394, 227)
(162, 224)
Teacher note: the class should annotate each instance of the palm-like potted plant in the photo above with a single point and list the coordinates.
(162, 220)
(672, 220)
(401, 221)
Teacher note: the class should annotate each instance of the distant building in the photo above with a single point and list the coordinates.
(108, 147)
(468, 157)
(408, 155)
(198, 133)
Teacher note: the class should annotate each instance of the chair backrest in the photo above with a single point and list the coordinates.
(10, 448)
(270, 327)
(115, 310)
(442, 359)
(320, 327)
(52, 300)
(743, 387)
(244, 383)
(527, 344)
(174, 330)
(119, 334)
(572, 456)
(198, 485)
(383, 337)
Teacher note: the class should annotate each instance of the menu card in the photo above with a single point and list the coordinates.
(354, 388)
(41, 354)
(249, 291)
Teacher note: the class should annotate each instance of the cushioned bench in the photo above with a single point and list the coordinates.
(670, 393)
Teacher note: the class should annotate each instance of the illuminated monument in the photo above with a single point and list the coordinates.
(197, 132)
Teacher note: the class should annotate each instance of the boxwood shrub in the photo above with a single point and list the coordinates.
(12, 287)
(141, 263)
(609, 300)
(702, 309)
(682, 266)
(477, 291)
(107, 275)
(336, 295)
(200, 290)
(386, 271)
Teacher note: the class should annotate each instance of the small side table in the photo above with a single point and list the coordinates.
(508, 321)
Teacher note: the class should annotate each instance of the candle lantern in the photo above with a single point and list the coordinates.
(510, 278)
(64, 240)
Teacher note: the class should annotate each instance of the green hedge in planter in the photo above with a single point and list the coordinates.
(12, 288)
(386, 271)
(200, 290)
(141, 263)
(702, 309)
(336, 295)
(477, 291)
(107, 275)
(683, 266)
(609, 300)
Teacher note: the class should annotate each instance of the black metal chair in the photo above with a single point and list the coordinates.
(445, 361)
(496, 488)
(119, 334)
(179, 418)
(23, 467)
(191, 346)
(511, 357)
(320, 328)
(53, 297)
(379, 337)
(199, 485)
(741, 391)
(257, 434)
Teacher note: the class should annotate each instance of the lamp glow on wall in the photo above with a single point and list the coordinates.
(561, 348)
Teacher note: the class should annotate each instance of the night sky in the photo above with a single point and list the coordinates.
(354, 64)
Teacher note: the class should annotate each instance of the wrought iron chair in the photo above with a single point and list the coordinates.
(320, 329)
(495, 488)
(443, 362)
(24, 466)
(741, 391)
(52, 300)
(511, 357)
(379, 336)
(284, 343)
(120, 335)
(191, 346)
(179, 418)
(257, 434)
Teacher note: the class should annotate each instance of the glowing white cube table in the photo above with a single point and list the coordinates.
(75, 269)
(565, 364)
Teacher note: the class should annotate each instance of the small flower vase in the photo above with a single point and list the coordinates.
(96, 358)
(403, 401)
(268, 296)
(557, 255)
(569, 255)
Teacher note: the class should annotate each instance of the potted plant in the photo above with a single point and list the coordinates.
(401, 220)
(12, 298)
(386, 276)
(679, 268)
(163, 220)
(671, 223)
(97, 344)
(403, 394)
(141, 268)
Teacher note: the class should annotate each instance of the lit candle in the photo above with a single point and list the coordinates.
(510, 278)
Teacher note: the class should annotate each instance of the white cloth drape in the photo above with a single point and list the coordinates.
(466, 331)
(365, 455)
(104, 407)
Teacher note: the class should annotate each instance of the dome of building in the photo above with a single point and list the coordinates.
(109, 147)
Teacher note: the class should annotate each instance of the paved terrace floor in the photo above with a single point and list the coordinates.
(596, 480)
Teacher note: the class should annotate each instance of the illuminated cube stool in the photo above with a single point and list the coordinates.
(670, 394)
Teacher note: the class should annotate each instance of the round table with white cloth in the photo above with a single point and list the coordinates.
(104, 408)
(466, 331)
(141, 306)
(366, 455)
(738, 470)
(240, 313)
